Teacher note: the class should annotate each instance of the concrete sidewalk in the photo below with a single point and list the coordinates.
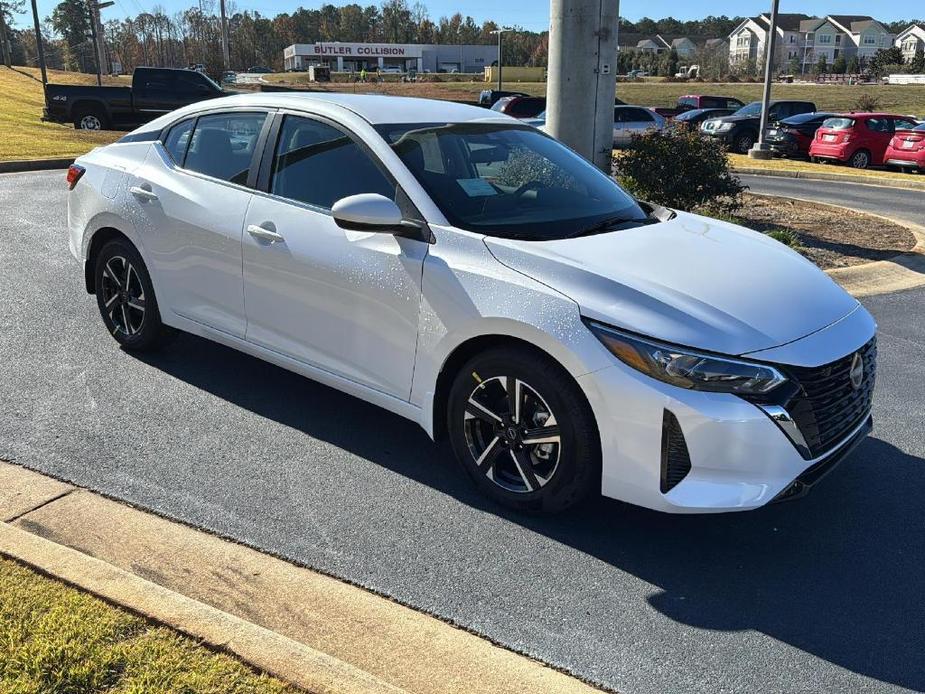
(304, 627)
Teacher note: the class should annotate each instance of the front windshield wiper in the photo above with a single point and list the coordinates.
(609, 223)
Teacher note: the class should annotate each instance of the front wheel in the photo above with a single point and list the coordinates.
(125, 297)
(744, 142)
(523, 431)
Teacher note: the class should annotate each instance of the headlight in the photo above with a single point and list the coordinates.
(687, 368)
(725, 127)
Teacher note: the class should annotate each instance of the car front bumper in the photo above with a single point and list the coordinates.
(739, 457)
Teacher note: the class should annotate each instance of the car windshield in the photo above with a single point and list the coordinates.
(752, 109)
(691, 115)
(510, 180)
(838, 123)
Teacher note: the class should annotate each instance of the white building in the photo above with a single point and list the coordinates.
(806, 39)
(346, 57)
(910, 41)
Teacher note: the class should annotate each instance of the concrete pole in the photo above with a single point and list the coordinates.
(581, 84)
(760, 149)
(39, 43)
(226, 57)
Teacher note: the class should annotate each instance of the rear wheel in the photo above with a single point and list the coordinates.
(125, 297)
(90, 118)
(523, 431)
(860, 159)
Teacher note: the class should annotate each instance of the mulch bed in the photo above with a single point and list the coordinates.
(829, 237)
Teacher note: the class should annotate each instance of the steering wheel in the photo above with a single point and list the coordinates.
(529, 185)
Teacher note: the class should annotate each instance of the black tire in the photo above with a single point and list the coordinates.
(549, 477)
(90, 117)
(125, 297)
(744, 141)
(860, 159)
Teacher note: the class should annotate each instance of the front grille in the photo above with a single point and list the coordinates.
(676, 460)
(826, 406)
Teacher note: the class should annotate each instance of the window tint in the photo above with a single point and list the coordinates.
(222, 145)
(879, 125)
(637, 115)
(318, 164)
(157, 81)
(733, 103)
(903, 124)
(177, 139)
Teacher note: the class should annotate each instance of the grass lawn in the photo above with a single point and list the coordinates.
(905, 99)
(742, 161)
(58, 640)
(23, 135)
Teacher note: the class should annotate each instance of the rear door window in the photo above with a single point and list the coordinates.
(637, 115)
(879, 125)
(222, 145)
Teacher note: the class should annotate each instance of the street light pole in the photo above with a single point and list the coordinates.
(39, 43)
(760, 150)
(500, 33)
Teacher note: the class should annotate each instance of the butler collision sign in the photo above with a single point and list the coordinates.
(407, 56)
(367, 49)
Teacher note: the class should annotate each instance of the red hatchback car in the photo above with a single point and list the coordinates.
(907, 149)
(857, 139)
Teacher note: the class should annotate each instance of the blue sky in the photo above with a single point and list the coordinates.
(534, 14)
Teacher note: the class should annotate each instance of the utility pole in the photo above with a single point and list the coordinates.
(582, 76)
(500, 33)
(39, 43)
(760, 149)
(5, 41)
(226, 58)
(94, 38)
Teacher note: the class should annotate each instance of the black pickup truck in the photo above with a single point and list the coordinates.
(154, 91)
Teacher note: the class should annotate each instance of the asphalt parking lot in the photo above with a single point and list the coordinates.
(821, 594)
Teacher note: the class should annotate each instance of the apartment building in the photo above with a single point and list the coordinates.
(910, 41)
(806, 39)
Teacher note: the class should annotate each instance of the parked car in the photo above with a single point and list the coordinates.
(691, 120)
(154, 91)
(690, 102)
(259, 69)
(633, 120)
(520, 106)
(792, 136)
(392, 70)
(739, 131)
(229, 77)
(906, 150)
(488, 97)
(857, 139)
(567, 339)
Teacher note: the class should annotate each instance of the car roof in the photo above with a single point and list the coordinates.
(374, 108)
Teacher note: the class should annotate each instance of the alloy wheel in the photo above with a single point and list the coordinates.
(512, 434)
(123, 296)
(860, 160)
(90, 122)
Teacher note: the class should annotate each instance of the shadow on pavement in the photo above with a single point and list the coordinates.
(839, 574)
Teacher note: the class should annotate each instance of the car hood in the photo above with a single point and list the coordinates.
(691, 281)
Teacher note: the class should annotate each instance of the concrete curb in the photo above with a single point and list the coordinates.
(838, 177)
(266, 650)
(35, 165)
(310, 629)
(901, 272)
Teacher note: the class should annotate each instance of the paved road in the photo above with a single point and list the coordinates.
(823, 594)
(893, 202)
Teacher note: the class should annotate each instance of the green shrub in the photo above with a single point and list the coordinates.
(786, 237)
(680, 170)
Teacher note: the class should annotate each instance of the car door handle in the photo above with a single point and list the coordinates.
(143, 193)
(264, 233)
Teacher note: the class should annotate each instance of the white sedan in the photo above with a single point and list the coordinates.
(470, 273)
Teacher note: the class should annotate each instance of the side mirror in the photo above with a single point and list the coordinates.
(367, 212)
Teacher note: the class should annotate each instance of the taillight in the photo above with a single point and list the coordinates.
(847, 137)
(74, 172)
